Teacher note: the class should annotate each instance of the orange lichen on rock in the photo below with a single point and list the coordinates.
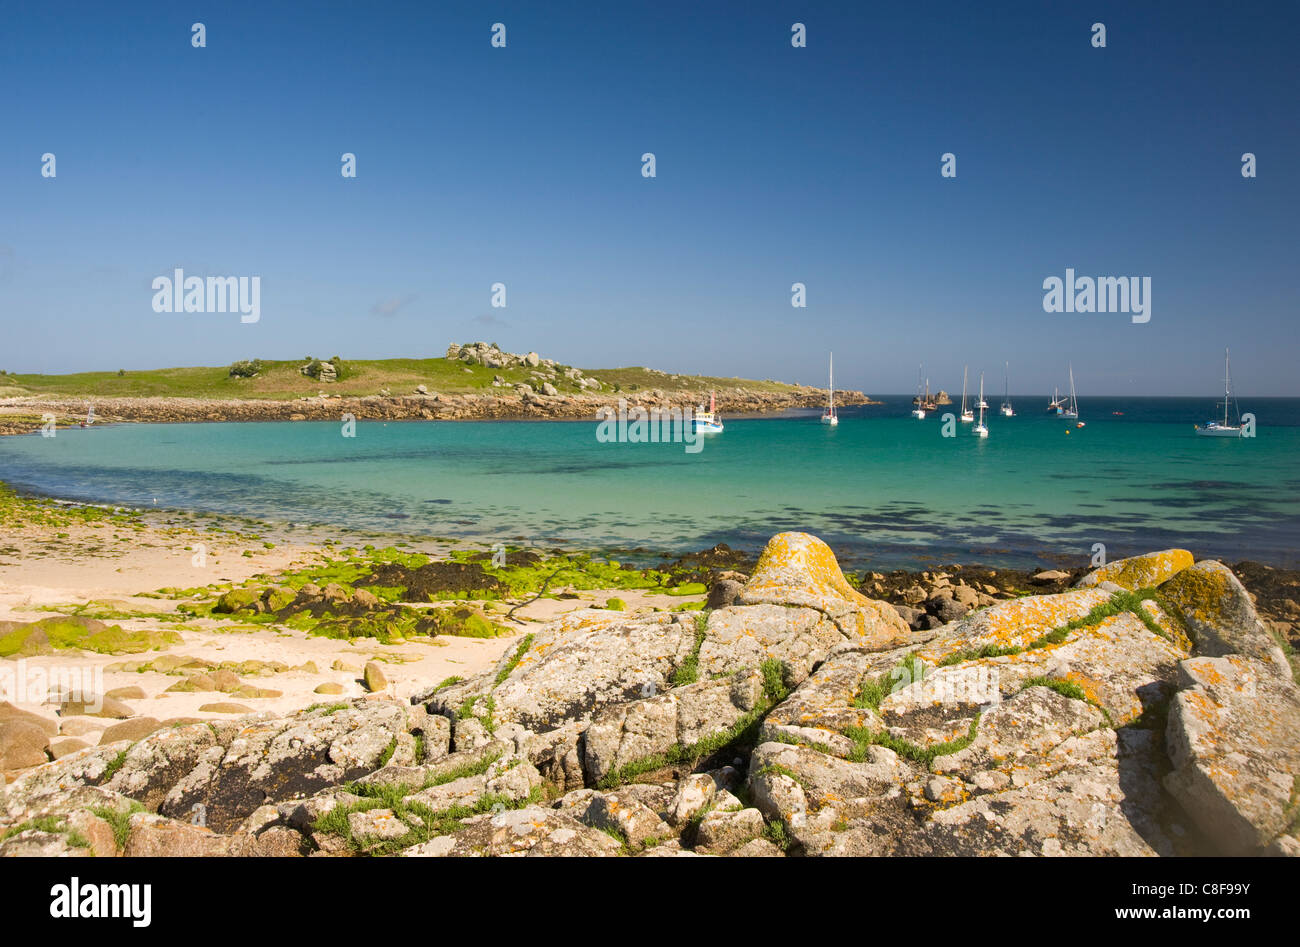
(1014, 624)
(1141, 572)
(800, 569)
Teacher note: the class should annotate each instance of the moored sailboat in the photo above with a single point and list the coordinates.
(920, 400)
(966, 413)
(1071, 408)
(829, 416)
(980, 429)
(1223, 428)
(1006, 409)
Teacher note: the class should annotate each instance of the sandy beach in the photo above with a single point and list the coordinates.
(64, 565)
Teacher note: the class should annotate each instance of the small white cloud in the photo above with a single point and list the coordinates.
(390, 307)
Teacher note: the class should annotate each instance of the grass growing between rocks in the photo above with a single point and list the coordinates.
(513, 662)
(689, 672)
(864, 738)
(54, 825)
(743, 733)
(422, 822)
(873, 690)
(1060, 685)
(114, 765)
(118, 820)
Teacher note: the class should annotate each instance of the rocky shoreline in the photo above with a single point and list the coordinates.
(1141, 709)
(22, 415)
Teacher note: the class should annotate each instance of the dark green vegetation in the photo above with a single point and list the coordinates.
(379, 592)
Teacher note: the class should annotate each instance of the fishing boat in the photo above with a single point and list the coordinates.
(1006, 409)
(966, 413)
(707, 422)
(980, 430)
(919, 400)
(1071, 407)
(829, 416)
(1217, 428)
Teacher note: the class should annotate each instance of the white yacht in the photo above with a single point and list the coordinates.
(1224, 428)
(980, 429)
(1006, 409)
(829, 416)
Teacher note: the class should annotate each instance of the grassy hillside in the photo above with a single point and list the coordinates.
(281, 380)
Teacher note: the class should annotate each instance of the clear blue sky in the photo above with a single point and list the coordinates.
(775, 165)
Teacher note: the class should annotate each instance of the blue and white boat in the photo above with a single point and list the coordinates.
(707, 422)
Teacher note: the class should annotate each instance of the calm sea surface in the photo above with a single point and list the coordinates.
(886, 490)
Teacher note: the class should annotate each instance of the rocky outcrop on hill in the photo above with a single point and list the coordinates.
(1144, 712)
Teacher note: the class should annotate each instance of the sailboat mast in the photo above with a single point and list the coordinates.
(1227, 386)
(830, 395)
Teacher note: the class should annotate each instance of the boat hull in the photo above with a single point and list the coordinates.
(1218, 431)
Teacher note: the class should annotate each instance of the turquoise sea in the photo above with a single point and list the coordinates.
(887, 491)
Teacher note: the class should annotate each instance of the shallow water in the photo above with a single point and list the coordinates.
(887, 491)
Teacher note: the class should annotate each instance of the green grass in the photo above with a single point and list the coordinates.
(280, 379)
(514, 659)
(119, 820)
(689, 672)
(863, 738)
(743, 731)
(114, 765)
(57, 825)
(1060, 685)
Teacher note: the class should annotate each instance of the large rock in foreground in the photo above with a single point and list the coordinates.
(1147, 713)
(1234, 739)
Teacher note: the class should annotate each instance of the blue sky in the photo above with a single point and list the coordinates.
(775, 165)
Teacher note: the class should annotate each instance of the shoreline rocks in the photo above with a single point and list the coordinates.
(1141, 713)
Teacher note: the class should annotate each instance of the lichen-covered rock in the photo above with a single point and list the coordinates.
(156, 763)
(1017, 623)
(84, 768)
(627, 733)
(1139, 572)
(1219, 616)
(532, 830)
(799, 637)
(721, 832)
(625, 816)
(573, 667)
(824, 782)
(1234, 740)
(274, 759)
(1091, 795)
(155, 836)
(799, 569)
